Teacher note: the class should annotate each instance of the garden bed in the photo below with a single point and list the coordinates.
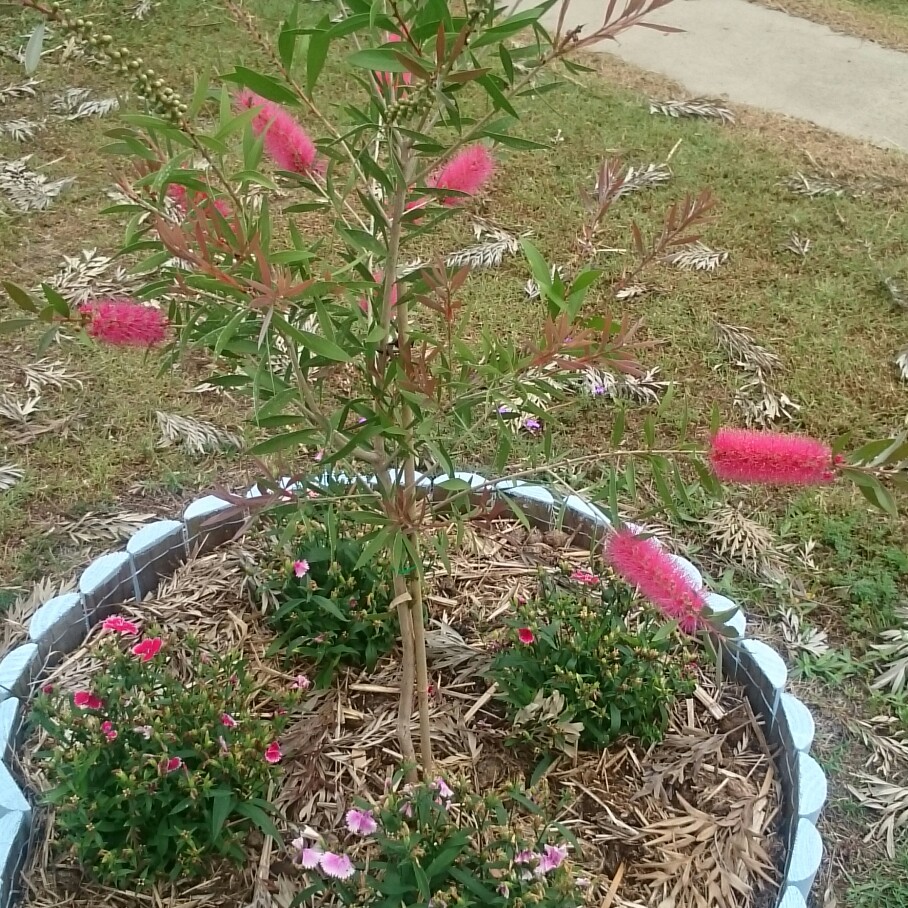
(697, 816)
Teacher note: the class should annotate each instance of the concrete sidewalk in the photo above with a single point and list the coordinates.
(765, 58)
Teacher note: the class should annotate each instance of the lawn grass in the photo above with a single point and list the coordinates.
(826, 315)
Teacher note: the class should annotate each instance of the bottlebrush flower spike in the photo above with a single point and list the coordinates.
(643, 563)
(286, 142)
(771, 458)
(468, 171)
(124, 322)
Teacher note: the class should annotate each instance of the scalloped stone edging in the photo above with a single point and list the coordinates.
(62, 623)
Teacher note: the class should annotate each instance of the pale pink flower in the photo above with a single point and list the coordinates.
(286, 142)
(338, 866)
(171, 765)
(147, 649)
(526, 636)
(468, 171)
(525, 857)
(585, 578)
(643, 563)
(120, 625)
(443, 788)
(771, 458)
(301, 683)
(300, 568)
(361, 822)
(552, 858)
(273, 752)
(124, 322)
(310, 856)
(406, 810)
(86, 700)
(228, 721)
(109, 731)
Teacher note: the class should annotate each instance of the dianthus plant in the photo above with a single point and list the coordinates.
(436, 846)
(294, 261)
(163, 760)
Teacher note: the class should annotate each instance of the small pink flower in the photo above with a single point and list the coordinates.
(109, 731)
(310, 856)
(525, 857)
(273, 752)
(361, 822)
(47, 689)
(771, 458)
(338, 866)
(86, 700)
(300, 568)
(228, 721)
(171, 765)
(552, 858)
(406, 810)
(147, 649)
(124, 322)
(301, 682)
(442, 788)
(120, 625)
(585, 578)
(312, 493)
(526, 636)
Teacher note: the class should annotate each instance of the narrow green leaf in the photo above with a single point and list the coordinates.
(618, 427)
(260, 819)
(282, 442)
(266, 86)
(516, 142)
(224, 802)
(22, 298)
(15, 324)
(319, 42)
(377, 59)
(33, 49)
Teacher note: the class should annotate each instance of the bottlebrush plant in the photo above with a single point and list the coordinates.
(154, 773)
(313, 306)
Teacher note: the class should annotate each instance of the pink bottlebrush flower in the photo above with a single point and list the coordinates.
(526, 636)
(86, 700)
(147, 649)
(123, 322)
(552, 858)
(771, 458)
(171, 765)
(120, 625)
(273, 753)
(300, 568)
(338, 866)
(468, 171)
(228, 721)
(361, 822)
(287, 143)
(643, 563)
(109, 731)
(585, 578)
(301, 682)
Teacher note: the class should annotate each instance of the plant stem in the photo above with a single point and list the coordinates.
(407, 677)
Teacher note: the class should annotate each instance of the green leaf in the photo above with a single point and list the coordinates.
(872, 489)
(516, 142)
(319, 42)
(495, 93)
(15, 324)
(221, 808)
(542, 274)
(33, 49)
(260, 818)
(200, 95)
(282, 442)
(618, 427)
(60, 306)
(321, 346)
(20, 297)
(511, 26)
(506, 62)
(266, 86)
(377, 59)
(470, 882)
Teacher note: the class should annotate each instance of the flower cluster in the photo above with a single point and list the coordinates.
(589, 667)
(428, 844)
(326, 607)
(123, 322)
(145, 743)
(286, 142)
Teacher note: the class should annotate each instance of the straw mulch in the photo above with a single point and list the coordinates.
(690, 824)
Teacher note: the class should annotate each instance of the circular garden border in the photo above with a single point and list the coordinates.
(61, 624)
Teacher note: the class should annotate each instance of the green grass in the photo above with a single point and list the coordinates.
(886, 886)
(825, 315)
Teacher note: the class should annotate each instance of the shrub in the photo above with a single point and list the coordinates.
(428, 845)
(587, 665)
(329, 608)
(154, 774)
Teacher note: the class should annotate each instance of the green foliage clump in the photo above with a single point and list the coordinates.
(587, 666)
(331, 597)
(155, 772)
